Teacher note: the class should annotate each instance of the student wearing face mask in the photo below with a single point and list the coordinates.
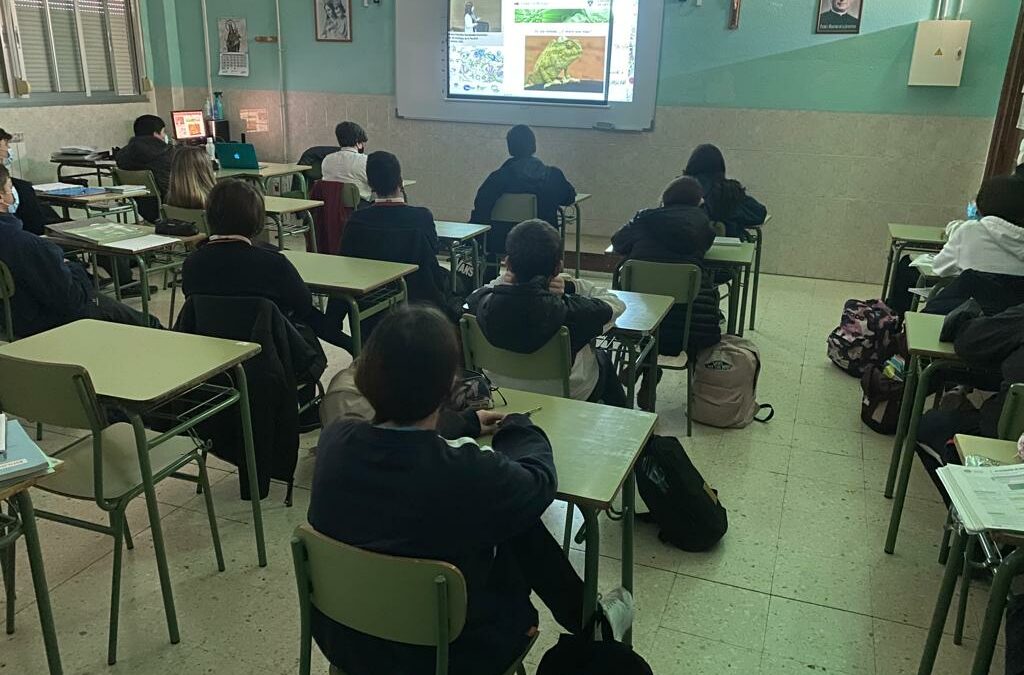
(34, 215)
(348, 165)
(148, 150)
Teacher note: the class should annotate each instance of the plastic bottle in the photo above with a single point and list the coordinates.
(218, 105)
(207, 110)
(210, 149)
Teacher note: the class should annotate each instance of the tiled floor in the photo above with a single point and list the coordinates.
(800, 583)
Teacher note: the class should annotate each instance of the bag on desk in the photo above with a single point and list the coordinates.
(865, 336)
(683, 505)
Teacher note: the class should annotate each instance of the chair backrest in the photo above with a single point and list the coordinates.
(52, 393)
(515, 208)
(676, 280)
(143, 177)
(6, 294)
(195, 216)
(406, 600)
(1011, 420)
(552, 362)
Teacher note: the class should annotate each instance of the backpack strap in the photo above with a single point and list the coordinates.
(771, 413)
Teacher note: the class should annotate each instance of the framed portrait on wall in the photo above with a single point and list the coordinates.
(333, 20)
(839, 17)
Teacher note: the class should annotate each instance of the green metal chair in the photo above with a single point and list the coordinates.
(510, 210)
(404, 600)
(6, 296)
(549, 367)
(144, 177)
(198, 218)
(103, 467)
(678, 281)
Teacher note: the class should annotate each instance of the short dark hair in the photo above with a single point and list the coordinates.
(235, 207)
(408, 366)
(349, 134)
(383, 173)
(533, 249)
(5, 136)
(147, 125)
(684, 191)
(521, 141)
(1003, 197)
(706, 160)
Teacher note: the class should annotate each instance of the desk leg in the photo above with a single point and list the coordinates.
(35, 560)
(302, 185)
(250, 464)
(942, 603)
(143, 283)
(142, 445)
(1011, 567)
(307, 219)
(888, 268)
(453, 262)
(579, 233)
(628, 509)
(901, 428)
(279, 224)
(744, 299)
(592, 563)
(734, 301)
(759, 233)
(632, 374)
(478, 272)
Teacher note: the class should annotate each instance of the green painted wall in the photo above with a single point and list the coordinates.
(773, 61)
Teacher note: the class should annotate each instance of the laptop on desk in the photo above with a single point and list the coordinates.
(236, 156)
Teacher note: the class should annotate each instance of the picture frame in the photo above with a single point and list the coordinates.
(332, 20)
(838, 17)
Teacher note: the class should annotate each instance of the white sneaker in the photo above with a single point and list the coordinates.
(619, 609)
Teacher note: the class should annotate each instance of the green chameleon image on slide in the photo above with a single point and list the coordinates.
(552, 66)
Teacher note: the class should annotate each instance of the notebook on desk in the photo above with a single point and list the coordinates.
(727, 241)
(20, 457)
(986, 497)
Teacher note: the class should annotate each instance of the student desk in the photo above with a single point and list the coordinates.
(925, 348)
(459, 237)
(17, 493)
(1006, 568)
(266, 172)
(94, 249)
(739, 259)
(924, 238)
(100, 168)
(278, 207)
(595, 448)
(91, 203)
(375, 285)
(140, 370)
(577, 217)
(637, 332)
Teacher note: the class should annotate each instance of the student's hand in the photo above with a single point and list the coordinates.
(557, 286)
(489, 421)
(507, 277)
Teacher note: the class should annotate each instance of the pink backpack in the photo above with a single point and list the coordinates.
(725, 385)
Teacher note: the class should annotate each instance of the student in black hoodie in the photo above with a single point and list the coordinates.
(677, 232)
(148, 150)
(522, 173)
(725, 200)
(524, 308)
(398, 487)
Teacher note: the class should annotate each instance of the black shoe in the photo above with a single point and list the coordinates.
(136, 291)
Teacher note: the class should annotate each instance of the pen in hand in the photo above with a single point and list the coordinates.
(528, 413)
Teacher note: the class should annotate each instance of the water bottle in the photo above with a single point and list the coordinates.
(218, 105)
(210, 150)
(207, 110)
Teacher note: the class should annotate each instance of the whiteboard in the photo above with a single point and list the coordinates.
(421, 64)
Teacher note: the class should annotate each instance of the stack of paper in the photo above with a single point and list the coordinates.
(727, 241)
(105, 232)
(74, 191)
(127, 189)
(20, 457)
(47, 188)
(987, 497)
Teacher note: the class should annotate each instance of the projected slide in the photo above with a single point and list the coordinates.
(559, 51)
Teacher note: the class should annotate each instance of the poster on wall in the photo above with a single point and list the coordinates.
(839, 17)
(256, 120)
(234, 46)
(333, 20)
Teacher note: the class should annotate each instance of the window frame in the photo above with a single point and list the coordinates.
(13, 64)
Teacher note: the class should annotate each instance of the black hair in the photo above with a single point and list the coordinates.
(235, 207)
(5, 175)
(383, 173)
(533, 249)
(5, 136)
(521, 141)
(1003, 197)
(349, 134)
(706, 160)
(147, 125)
(684, 191)
(408, 366)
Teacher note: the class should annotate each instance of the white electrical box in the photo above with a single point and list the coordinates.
(939, 53)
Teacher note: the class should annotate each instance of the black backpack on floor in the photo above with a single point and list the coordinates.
(581, 655)
(683, 505)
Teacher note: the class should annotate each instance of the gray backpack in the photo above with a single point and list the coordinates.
(725, 385)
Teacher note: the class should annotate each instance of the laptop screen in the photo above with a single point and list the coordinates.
(188, 124)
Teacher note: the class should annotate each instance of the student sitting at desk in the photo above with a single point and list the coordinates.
(230, 264)
(725, 200)
(348, 165)
(191, 178)
(398, 486)
(148, 150)
(49, 290)
(394, 231)
(523, 309)
(522, 173)
(677, 232)
(34, 215)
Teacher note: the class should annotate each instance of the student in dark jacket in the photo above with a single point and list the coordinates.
(397, 487)
(522, 173)
(725, 200)
(230, 264)
(524, 308)
(148, 150)
(49, 290)
(33, 214)
(677, 232)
